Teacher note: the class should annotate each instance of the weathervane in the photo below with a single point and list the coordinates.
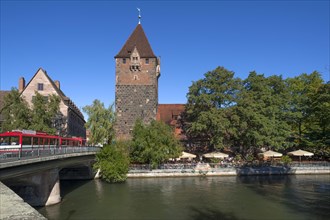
(139, 15)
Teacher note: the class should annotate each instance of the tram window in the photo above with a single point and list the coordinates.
(10, 140)
(52, 142)
(26, 140)
(14, 141)
(43, 141)
(35, 142)
(4, 140)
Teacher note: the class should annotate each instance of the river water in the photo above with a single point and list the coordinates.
(249, 197)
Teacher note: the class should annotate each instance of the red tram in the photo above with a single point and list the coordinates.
(18, 140)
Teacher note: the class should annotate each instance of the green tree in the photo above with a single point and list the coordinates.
(113, 162)
(153, 143)
(44, 111)
(208, 116)
(100, 122)
(318, 133)
(303, 93)
(16, 112)
(261, 108)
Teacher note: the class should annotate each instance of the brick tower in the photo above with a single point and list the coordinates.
(137, 73)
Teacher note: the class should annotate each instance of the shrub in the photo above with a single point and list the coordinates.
(113, 162)
(238, 157)
(153, 143)
(286, 159)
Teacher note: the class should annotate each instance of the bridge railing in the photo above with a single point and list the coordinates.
(11, 154)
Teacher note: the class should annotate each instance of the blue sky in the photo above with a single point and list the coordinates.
(76, 41)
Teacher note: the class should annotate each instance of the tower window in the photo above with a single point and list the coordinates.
(40, 86)
(135, 61)
(124, 60)
(147, 60)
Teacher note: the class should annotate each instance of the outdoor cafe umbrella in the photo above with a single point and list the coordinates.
(271, 153)
(215, 155)
(185, 155)
(299, 153)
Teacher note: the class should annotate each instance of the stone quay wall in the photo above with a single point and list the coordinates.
(207, 170)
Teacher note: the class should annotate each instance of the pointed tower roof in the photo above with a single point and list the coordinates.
(139, 40)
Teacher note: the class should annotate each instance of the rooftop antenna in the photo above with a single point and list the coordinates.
(139, 15)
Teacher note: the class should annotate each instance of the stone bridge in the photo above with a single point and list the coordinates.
(36, 180)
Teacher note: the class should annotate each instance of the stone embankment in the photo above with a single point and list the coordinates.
(13, 207)
(207, 170)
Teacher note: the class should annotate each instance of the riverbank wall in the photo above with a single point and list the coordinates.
(206, 170)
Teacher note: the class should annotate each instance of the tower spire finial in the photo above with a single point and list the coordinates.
(139, 15)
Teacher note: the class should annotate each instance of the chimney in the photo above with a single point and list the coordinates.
(57, 83)
(21, 84)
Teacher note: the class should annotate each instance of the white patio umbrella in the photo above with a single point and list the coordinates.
(215, 155)
(271, 153)
(299, 153)
(185, 155)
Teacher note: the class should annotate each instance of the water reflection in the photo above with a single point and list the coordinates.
(211, 214)
(249, 197)
(299, 193)
(99, 188)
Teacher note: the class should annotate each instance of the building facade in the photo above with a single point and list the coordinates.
(137, 73)
(71, 120)
(171, 115)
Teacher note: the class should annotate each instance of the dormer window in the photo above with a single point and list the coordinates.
(135, 61)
